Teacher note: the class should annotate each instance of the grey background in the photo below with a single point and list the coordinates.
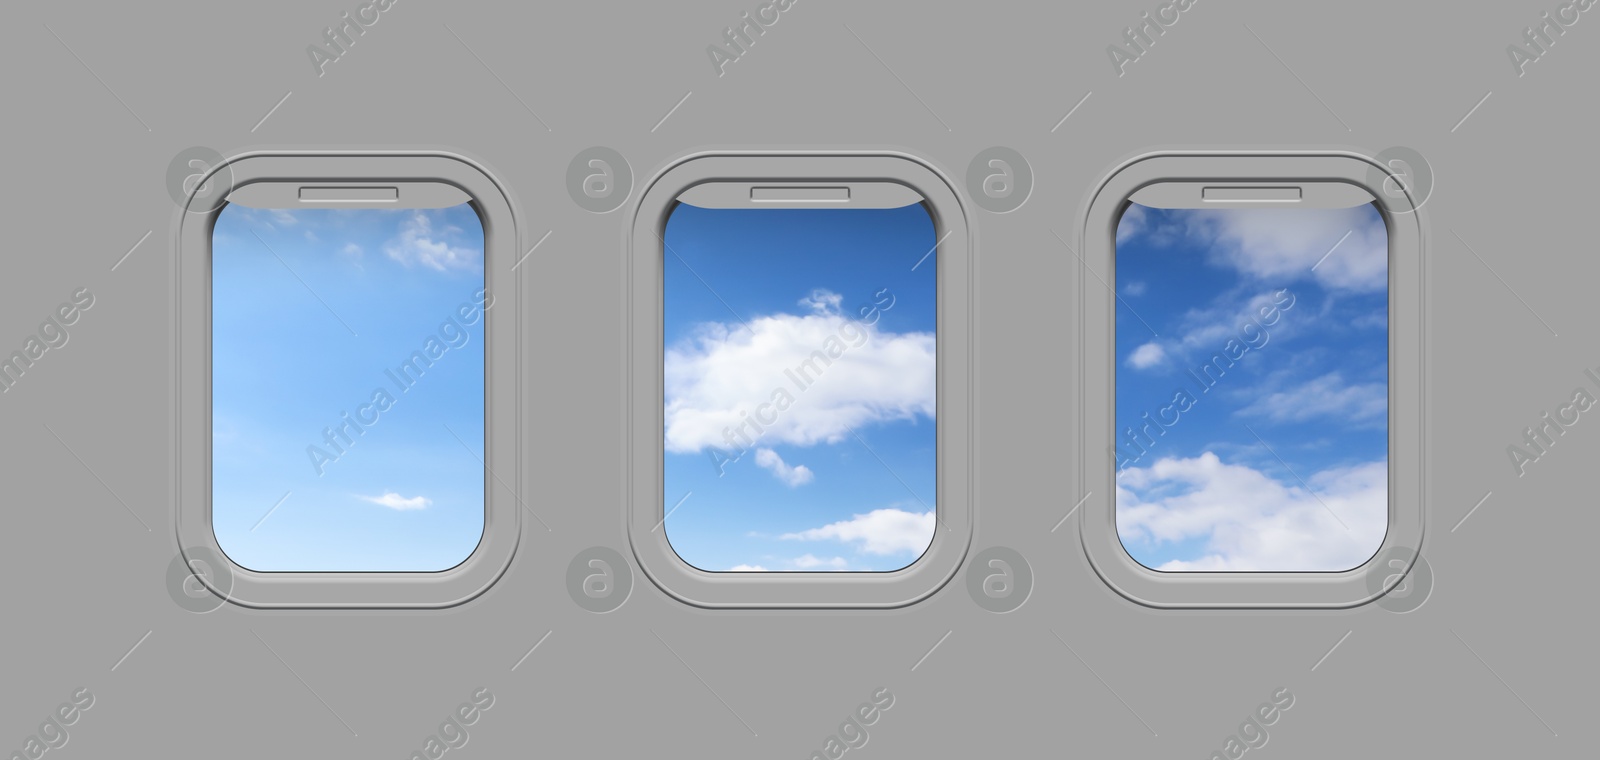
(1497, 662)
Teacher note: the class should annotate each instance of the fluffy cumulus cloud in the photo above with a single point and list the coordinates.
(395, 501)
(1328, 396)
(1284, 244)
(881, 531)
(1248, 521)
(1147, 356)
(420, 244)
(850, 375)
(791, 476)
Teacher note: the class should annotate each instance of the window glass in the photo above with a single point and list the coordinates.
(800, 387)
(347, 388)
(1252, 387)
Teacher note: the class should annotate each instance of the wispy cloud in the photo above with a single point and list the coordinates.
(881, 531)
(395, 501)
(791, 476)
(418, 244)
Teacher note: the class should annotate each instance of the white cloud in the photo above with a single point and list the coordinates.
(419, 244)
(1284, 244)
(395, 501)
(822, 301)
(1251, 522)
(809, 562)
(1131, 223)
(351, 249)
(881, 531)
(791, 476)
(1325, 396)
(851, 374)
(747, 569)
(1147, 356)
(1135, 288)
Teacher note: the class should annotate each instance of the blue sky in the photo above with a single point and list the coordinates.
(1277, 459)
(312, 309)
(751, 294)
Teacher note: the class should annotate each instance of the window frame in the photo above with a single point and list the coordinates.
(191, 400)
(1096, 351)
(643, 465)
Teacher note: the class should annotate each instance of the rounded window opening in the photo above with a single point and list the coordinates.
(1252, 377)
(800, 377)
(347, 378)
